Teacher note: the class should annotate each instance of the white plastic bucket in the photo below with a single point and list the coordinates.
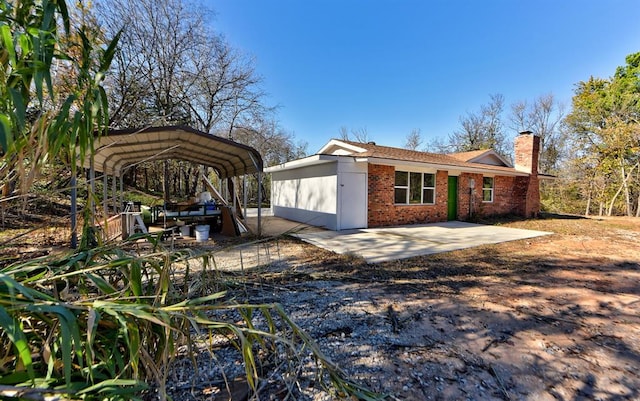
(205, 197)
(184, 230)
(202, 233)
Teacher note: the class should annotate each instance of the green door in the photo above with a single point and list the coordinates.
(452, 199)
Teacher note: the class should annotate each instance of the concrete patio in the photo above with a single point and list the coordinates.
(377, 245)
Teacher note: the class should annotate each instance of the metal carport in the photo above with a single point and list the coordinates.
(119, 150)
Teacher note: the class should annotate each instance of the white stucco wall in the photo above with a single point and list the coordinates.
(307, 194)
(332, 194)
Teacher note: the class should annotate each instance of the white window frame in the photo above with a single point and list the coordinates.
(407, 188)
(424, 186)
(490, 190)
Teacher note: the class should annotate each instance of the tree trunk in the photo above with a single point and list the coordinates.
(623, 186)
(589, 192)
(613, 201)
(196, 178)
(627, 195)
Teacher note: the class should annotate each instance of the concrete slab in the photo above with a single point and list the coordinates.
(377, 245)
(275, 226)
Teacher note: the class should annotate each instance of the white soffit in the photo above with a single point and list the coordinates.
(336, 147)
(491, 157)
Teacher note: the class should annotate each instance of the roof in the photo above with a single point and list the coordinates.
(483, 156)
(467, 156)
(120, 149)
(459, 161)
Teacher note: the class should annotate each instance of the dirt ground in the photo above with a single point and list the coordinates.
(551, 318)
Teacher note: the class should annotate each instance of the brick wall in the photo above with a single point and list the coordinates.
(527, 154)
(468, 197)
(511, 195)
(382, 208)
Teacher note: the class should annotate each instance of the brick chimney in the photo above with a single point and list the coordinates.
(527, 152)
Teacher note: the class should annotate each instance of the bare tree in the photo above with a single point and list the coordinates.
(543, 117)
(344, 133)
(171, 68)
(413, 140)
(357, 135)
(482, 129)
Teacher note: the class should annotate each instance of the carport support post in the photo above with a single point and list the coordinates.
(121, 190)
(244, 188)
(92, 184)
(259, 204)
(105, 194)
(92, 204)
(74, 212)
(114, 180)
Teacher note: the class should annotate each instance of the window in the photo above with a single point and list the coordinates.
(401, 187)
(487, 189)
(414, 188)
(429, 189)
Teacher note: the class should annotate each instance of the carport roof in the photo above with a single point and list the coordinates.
(119, 149)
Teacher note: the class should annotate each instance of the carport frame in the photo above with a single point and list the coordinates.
(118, 150)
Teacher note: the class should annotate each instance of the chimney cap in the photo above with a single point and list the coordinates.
(525, 133)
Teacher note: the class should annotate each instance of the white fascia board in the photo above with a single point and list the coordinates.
(458, 169)
(335, 142)
(307, 161)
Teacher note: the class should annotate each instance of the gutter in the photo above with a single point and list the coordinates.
(307, 161)
(464, 169)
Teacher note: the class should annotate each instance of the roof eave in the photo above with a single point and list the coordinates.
(304, 162)
(336, 142)
(441, 166)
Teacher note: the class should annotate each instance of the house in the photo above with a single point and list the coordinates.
(363, 185)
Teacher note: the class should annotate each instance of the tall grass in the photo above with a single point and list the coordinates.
(106, 323)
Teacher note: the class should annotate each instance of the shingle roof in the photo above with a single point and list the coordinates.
(466, 156)
(455, 160)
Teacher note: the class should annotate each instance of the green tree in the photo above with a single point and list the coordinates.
(40, 117)
(605, 136)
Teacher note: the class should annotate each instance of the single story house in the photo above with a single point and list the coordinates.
(350, 185)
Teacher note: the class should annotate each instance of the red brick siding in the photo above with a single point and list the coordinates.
(465, 195)
(384, 212)
(527, 153)
(527, 150)
(511, 195)
(506, 198)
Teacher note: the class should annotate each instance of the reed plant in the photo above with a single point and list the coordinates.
(106, 323)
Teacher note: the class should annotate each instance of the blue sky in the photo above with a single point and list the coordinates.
(394, 66)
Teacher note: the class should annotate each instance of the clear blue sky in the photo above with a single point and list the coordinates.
(392, 66)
